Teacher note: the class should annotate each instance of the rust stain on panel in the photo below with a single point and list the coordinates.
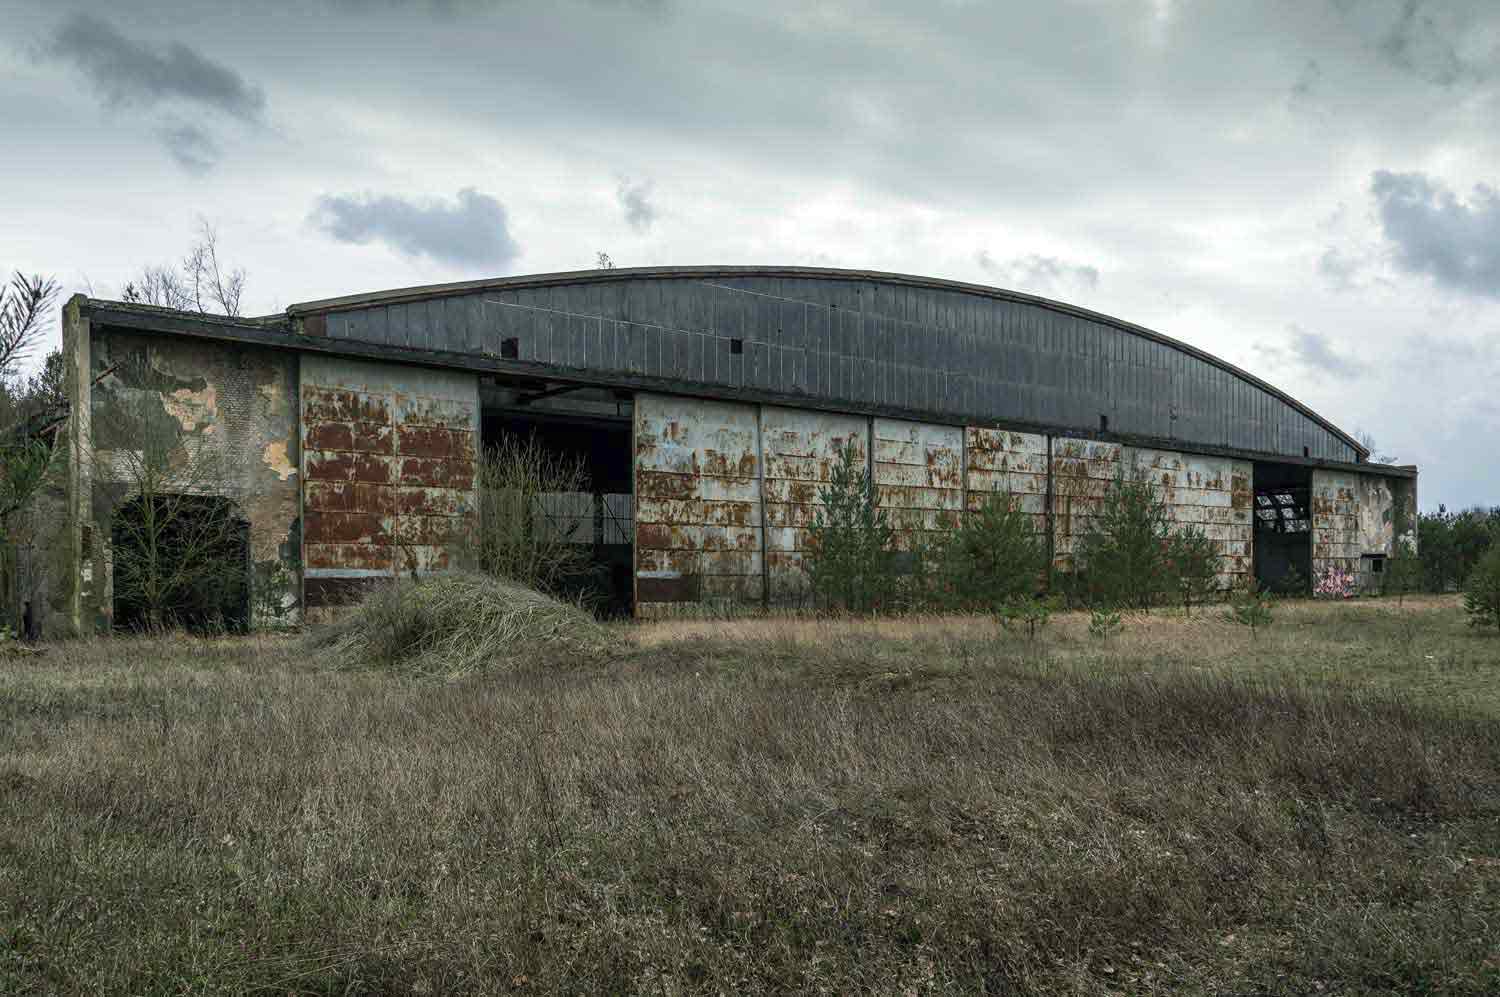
(917, 478)
(436, 472)
(348, 466)
(384, 468)
(802, 449)
(429, 441)
(697, 501)
(359, 557)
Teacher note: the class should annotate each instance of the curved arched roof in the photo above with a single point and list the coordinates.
(743, 279)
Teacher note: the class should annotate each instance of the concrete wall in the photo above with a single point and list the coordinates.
(1355, 515)
(698, 503)
(705, 470)
(1212, 494)
(232, 406)
(801, 450)
(388, 460)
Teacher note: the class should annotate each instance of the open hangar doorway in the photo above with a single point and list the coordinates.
(592, 426)
(1283, 527)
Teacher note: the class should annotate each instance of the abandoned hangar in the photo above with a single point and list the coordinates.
(708, 404)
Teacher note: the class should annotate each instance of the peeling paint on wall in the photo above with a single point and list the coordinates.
(698, 516)
(919, 479)
(1007, 462)
(389, 455)
(1335, 521)
(802, 449)
(1212, 494)
(1082, 471)
(231, 403)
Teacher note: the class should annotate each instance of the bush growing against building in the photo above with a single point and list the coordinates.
(850, 559)
(1125, 549)
(520, 533)
(1193, 566)
(995, 555)
(1482, 591)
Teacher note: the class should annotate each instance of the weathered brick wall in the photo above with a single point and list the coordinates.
(389, 455)
(233, 406)
(697, 486)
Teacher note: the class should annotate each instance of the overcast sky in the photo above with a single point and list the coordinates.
(1304, 187)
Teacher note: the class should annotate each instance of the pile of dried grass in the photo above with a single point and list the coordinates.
(457, 623)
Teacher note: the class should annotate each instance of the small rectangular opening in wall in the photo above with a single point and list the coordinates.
(510, 349)
(736, 346)
(1103, 423)
(1305, 452)
(1374, 563)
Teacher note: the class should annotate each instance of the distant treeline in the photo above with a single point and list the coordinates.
(1450, 544)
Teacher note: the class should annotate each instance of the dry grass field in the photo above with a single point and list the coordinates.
(767, 806)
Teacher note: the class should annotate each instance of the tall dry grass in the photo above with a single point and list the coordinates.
(926, 813)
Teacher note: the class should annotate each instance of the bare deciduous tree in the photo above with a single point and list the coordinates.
(159, 285)
(203, 282)
(535, 516)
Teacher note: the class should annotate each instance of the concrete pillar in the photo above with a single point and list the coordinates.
(78, 384)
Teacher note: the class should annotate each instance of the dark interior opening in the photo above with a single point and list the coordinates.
(181, 561)
(605, 518)
(1282, 514)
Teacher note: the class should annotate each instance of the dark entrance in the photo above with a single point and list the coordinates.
(593, 426)
(181, 561)
(1283, 527)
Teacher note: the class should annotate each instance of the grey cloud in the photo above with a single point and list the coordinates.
(127, 71)
(1314, 353)
(1339, 268)
(192, 147)
(1434, 234)
(1423, 43)
(635, 201)
(1040, 273)
(471, 230)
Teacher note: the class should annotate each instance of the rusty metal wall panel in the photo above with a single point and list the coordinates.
(1002, 461)
(800, 448)
(388, 458)
(1081, 473)
(1213, 494)
(698, 515)
(919, 478)
(1335, 521)
(934, 353)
